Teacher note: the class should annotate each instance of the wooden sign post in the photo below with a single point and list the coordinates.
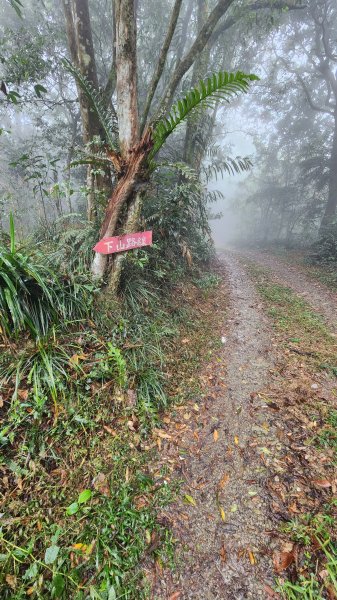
(123, 243)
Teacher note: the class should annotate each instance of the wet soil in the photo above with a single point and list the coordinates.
(228, 533)
(319, 296)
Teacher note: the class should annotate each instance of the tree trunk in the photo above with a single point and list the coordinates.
(133, 217)
(331, 206)
(82, 54)
(134, 154)
(122, 193)
(191, 147)
(126, 76)
(81, 49)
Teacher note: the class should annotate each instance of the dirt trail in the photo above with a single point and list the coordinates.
(320, 297)
(223, 468)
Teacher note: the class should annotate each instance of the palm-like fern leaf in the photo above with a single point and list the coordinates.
(107, 118)
(220, 86)
(227, 165)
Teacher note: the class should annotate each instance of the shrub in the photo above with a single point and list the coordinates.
(325, 249)
(32, 296)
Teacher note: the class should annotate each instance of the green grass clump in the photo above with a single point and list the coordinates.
(317, 578)
(304, 329)
(33, 297)
(327, 436)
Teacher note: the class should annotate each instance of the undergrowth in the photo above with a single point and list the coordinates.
(78, 406)
(318, 576)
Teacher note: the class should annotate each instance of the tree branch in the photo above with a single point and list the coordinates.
(255, 6)
(162, 59)
(304, 86)
(185, 64)
(183, 36)
(111, 82)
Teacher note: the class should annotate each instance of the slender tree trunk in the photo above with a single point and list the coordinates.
(134, 211)
(133, 153)
(162, 59)
(200, 66)
(126, 80)
(81, 49)
(331, 206)
(82, 54)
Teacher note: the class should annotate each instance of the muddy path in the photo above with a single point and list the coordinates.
(225, 528)
(320, 297)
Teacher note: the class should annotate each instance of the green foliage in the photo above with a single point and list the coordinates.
(178, 208)
(228, 165)
(32, 296)
(327, 436)
(42, 368)
(107, 118)
(17, 5)
(23, 59)
(220, 86)
(118, 364)
(324, 251)
(317, 530)
(70, 242)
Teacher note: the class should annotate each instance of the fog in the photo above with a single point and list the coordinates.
(285, 123)
(229, 228)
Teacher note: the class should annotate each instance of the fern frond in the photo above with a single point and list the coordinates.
(214, 196)
(227, 165)
(107, 118)
(220, 86)
(92, 159)
(183, 168)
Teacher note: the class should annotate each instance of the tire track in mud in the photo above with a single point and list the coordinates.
(228, 535)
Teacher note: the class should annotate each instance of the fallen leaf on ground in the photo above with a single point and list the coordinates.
(271, 593)
(223, 554)
(252, 558)
(109, 430)
(175, 596)
(324, 483)
(236, 440)
(223, 481)
(101, 484)
(215, 435)
(11, 580)
(74, 360)
(282, 560)
(189, 500)
(163, 435)
(222, 513)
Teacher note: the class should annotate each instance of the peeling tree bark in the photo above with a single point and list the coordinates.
(122, 193)
(126, 86)
(133, 154)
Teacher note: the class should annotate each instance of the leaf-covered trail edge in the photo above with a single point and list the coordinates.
(243, 454)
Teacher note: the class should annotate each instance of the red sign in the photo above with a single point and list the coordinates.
(122, 243)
